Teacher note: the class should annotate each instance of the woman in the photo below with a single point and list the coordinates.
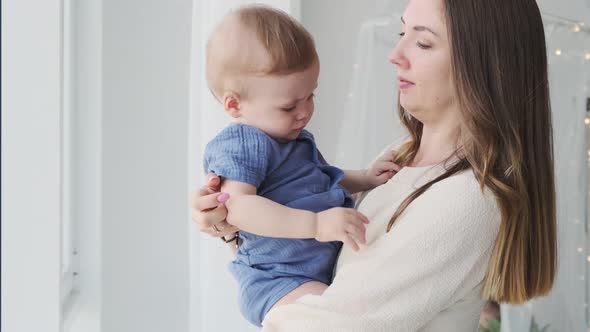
(471, 215)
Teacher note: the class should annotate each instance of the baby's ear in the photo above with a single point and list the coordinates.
(232, 105)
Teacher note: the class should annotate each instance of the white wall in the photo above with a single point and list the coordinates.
(145, 276)
(31, 165)
(577, 10)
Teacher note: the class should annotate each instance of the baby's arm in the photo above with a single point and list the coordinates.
(355, 181)
(261, 216)
(258, 215)
(379, 172)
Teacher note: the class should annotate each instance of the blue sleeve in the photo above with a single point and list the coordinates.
(239, 153)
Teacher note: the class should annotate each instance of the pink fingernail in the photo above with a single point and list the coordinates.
(223, 198)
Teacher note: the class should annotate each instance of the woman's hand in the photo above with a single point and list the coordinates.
(209, 211)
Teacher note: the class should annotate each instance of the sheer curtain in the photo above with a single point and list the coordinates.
(370, 119)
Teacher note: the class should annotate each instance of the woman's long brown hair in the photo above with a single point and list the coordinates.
(499, 66)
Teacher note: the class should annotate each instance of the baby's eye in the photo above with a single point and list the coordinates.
(288, 109)
(311, 96)
(401, 34)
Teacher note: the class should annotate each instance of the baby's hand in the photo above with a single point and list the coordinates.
(381, 170)
(341, 224)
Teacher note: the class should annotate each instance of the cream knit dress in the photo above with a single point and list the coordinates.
(424, 275)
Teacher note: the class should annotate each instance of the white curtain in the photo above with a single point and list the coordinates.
(370, 118)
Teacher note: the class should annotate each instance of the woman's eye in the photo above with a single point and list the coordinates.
(423, 46)
(288, 109)
(311, 96)
(401, 34)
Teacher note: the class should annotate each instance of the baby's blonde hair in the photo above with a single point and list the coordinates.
(289, 46)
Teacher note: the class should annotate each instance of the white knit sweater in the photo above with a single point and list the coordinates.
(425, 274)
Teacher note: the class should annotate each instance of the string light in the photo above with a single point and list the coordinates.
(572, 27)
(587, 121)
(580, 250)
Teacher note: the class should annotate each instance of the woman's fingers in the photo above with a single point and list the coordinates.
(213, 182)
(225, 229)
(203, 200)
(206, 220)
(206, 197)
(228, 229)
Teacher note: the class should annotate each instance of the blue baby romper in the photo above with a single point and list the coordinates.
(293, 174)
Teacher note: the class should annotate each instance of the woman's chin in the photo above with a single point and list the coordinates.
(411, 112)
(410, 108)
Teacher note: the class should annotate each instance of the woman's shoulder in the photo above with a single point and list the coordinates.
(462, 195)
(464, 187)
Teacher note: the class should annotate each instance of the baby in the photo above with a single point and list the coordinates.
(292, 208)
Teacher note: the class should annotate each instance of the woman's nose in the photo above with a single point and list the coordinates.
(397, 57)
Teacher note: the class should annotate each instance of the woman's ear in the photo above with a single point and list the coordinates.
(232, 105)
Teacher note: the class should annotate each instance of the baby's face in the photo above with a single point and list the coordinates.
(280, 105)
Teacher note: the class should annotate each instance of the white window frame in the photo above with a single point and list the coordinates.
(32, 101)
(69, 259)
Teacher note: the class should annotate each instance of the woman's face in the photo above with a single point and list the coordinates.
(422, 59)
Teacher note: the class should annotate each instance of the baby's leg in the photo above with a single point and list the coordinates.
(310, 287)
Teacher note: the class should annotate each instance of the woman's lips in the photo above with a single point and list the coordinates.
(404, 83)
